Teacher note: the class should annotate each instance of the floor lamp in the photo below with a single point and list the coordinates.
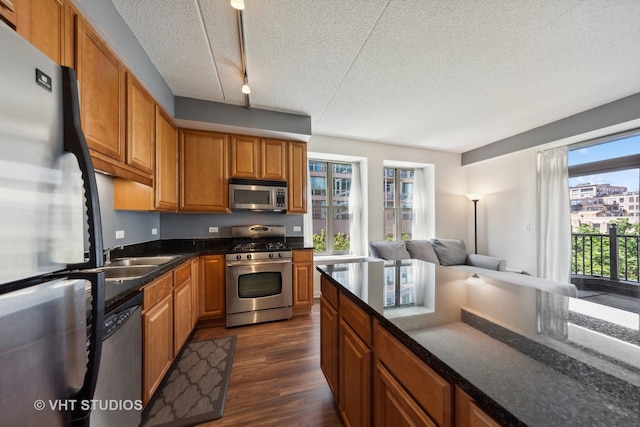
(474, 197)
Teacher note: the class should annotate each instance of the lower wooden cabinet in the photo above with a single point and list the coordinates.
(182, 313)
(157, 332)
(355, 360)
(428, 389)
(393, 406)
(468, 414)
(302, 280)
(195, 291)
(167, 322)
(212, 286)
(329, 326)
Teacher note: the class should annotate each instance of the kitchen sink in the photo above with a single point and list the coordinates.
(141, 261)
(130, 272)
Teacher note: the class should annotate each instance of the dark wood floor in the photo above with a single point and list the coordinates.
(276, 378)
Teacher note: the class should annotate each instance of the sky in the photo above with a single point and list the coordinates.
(610, 150)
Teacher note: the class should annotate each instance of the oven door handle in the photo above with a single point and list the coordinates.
(252, 263)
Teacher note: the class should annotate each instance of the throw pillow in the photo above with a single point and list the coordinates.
(389, 250)
(423, 250)
(450, 251)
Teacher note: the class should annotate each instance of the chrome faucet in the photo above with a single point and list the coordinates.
(107, 252)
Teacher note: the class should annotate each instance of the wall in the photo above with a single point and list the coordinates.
(136, 225)
(452, 207)
(509, 183)
(187, 226)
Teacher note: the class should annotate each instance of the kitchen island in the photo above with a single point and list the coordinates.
(504, 355)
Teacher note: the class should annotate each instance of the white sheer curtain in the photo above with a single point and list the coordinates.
(357, 231)
(423, 221)
(307, 221)
(554, 221)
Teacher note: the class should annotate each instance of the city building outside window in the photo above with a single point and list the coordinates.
(398, 203)
(330, 184)
(604, 181)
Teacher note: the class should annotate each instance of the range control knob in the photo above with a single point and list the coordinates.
(238, 257)
(271, 255)
(249, 256)
(280, 254)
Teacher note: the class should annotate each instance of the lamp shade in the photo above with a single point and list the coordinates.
(237, 4)
(474, 196)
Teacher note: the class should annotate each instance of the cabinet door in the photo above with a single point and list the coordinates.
(204, 186)
(245, 152)
(195, 288)
(166, 168)
(468, 414)
(212, 286)
(49, 25)
(141, 127)
(329, 325)
(297, 177)
(8, 13)
(273, 157)
(355, 378)
(157, 323)
(303, 278)
(181, 314)
(393, 406)
(102, 95)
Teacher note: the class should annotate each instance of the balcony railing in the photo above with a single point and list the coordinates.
(613, 256)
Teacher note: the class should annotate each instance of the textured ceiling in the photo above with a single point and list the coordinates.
(449, 75)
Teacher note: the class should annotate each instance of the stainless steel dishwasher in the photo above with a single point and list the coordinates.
(118, 396)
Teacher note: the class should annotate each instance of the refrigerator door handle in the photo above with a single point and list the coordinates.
(74, 142)
(80, 416)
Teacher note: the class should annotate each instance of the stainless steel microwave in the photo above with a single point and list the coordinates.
(256, 195)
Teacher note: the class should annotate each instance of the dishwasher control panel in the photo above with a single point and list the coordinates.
(113, 321)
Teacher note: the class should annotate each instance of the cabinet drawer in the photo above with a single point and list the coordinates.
(182, 273)
(359, 321)
(430, 390)
(156, 290)
(329, 291)
(303, 256)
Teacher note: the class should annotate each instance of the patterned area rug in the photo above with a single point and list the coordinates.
(195, 388)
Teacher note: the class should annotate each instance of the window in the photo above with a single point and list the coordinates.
(398, 203)
(330, 205)
(611, 168)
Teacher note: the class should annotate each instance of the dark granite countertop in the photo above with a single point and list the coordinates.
(526, 356)
(116, 293)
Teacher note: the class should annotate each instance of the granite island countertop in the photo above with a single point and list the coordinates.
(525, 356)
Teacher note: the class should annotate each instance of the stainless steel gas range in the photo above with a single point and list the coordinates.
(259, 275)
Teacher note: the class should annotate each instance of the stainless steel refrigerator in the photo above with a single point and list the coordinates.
(50, 230)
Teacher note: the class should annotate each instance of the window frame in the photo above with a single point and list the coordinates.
(329, 195)
(398, 210)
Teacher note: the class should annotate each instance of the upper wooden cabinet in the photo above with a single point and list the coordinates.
(166, 173)
(102, 99)
(8, 12)
(163, 196)
(141, 127)
(245, 154)
(204, 186)
(50, 26)
(273, 159)
(297, 177)
(258, 158)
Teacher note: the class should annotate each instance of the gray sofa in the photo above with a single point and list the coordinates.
(452, 252)
(437, 251)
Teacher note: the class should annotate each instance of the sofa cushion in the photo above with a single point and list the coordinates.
(450, 251)
(389, 250)
(422, 249)
(488, 262)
